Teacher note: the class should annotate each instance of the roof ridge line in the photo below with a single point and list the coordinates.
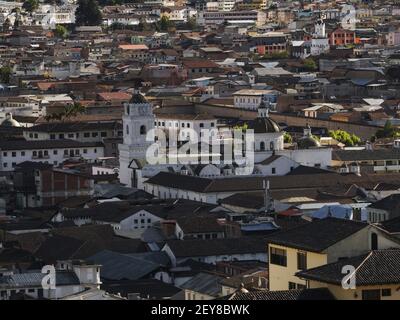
(361, 264)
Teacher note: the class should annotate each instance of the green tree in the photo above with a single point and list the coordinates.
(165, 24)
(30, 5)
(287, 138)
(277, 55)
(310, 64)
(192, 24)
(243, 127)
(5, 74)
(144, 25)
(345, 137)
(88, 13)
(388, 131)
(61, 31)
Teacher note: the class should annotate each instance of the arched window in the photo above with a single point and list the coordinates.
(142, 129)
(262, 145)
(374, 241)
(271, 145)
(127, 129)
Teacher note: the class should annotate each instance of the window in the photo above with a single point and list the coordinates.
(70, 135)
(292, 286)
(61, 136)
(5, 165)
(87, 134)
(23, 153)
(94, 134)
(278, 257)
(301, 260)
(262, 146)
(103, 134)
(371, 294)
(34, 153)
(4, 154)
(84, 150)
(386, 292)
(142, 130)
(273, 170)
(374, 241)
(55, 152)
(13, 154)
(201, 125)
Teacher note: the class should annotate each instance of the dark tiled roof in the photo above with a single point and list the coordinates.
(317, 235)
(146, 288)
(204, 283)
(251, 183)
(202, 248)
(363, 155)
(116, 266)
(308, 170)
(306, 294)
(82, 242)
(26, 280)
(46, 144)
(253, 200)
(390, 204)
(74, 126)
(375, 268)
(199, 224)
(270, 159)
(390, 226)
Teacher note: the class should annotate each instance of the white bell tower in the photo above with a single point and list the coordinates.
(319, 29)
(137, 120)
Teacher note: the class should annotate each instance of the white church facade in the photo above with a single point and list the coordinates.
(268, 142)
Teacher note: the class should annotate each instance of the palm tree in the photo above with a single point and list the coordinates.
(69, 111)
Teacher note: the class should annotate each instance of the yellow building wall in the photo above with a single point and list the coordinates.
(356, 294)
(280, 276)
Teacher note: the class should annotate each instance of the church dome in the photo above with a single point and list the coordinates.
(264, 125)
(9, 121)
(308, 142)
(138, 98)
